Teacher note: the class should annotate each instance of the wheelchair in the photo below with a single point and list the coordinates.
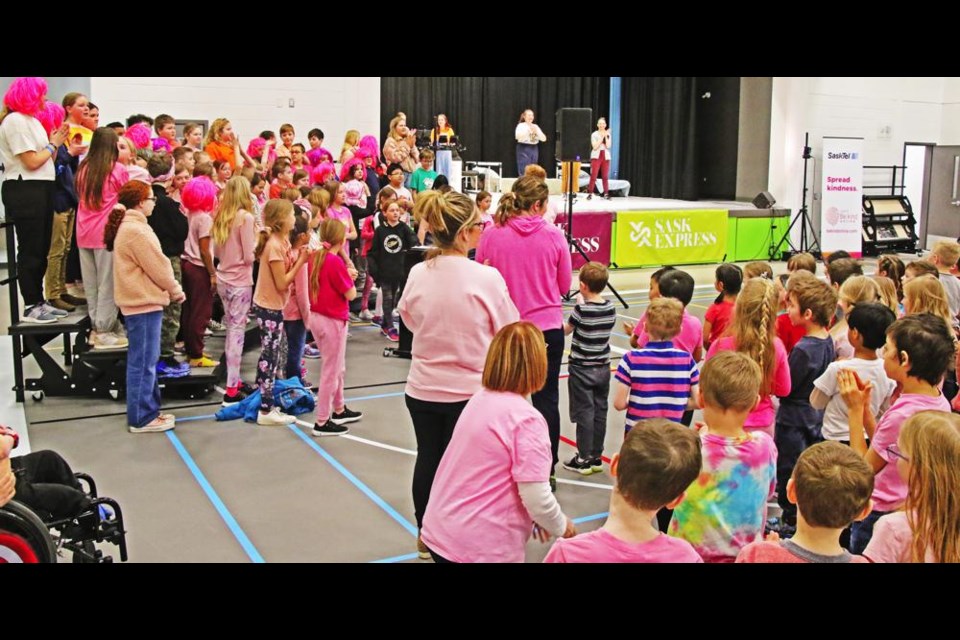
(29, 537)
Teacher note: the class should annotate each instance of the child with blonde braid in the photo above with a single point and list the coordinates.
(753, 333)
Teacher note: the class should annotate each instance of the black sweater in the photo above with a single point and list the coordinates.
(167, 221)
(389, 246)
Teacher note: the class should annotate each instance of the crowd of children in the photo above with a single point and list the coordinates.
(832, 396)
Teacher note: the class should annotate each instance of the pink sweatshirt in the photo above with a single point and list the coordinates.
(236, 255)
(534, 259)
(143, 279)
(91, 222)
(298, 305)
(452, 331)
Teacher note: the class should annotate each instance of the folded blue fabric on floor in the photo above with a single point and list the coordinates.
(290, 395)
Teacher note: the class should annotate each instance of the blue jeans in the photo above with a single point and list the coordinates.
(861, 532)
(527, 154)
(296, 340)
(143, 394)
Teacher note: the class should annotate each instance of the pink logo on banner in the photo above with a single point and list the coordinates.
(592, 232)
(833, 216)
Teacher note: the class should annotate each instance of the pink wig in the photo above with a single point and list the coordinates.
(318, 155)
(255, 150)
(199, 195)
(51, 116)
(322, 172)
(140, 135)
(161, 144)
(349, 165)
(26, 95)
(369, 144)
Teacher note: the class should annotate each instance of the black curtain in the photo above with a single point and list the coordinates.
(658, 138)
(484, 111)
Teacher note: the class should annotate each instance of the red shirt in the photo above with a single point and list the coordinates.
(333, 283)
(788, 332)
(719, 315)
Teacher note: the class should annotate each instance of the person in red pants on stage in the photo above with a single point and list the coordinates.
(600, 158)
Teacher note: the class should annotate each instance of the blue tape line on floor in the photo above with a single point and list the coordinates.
(221, 508)
(406, 556)
(597, 516)
(380, 502)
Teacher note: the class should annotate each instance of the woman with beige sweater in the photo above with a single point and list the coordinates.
(143, 284)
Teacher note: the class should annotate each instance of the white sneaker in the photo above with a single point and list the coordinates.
(52, 310)
(275, 418)
(163, 422)
(109, 341)
(38, 314)
(366, 315)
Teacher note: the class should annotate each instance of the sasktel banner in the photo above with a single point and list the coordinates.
(841, 207)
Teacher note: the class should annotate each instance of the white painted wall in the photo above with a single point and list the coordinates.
(912, 108)
(950, 127)
(250, 103)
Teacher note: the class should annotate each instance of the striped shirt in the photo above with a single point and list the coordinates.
(592, 323)
(660, 378)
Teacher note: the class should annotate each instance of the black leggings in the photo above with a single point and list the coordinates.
(547, 400)
(433, 423)
(28, 203)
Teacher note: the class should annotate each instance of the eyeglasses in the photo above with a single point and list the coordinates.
(154, 199)
(894, 450)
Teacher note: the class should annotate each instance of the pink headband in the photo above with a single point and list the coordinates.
(326, 245)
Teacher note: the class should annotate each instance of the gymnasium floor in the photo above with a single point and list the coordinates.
(235, 492)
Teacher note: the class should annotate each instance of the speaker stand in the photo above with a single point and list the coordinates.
(572, 294)
(803, 217)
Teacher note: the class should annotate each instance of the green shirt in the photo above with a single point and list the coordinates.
(422, 180)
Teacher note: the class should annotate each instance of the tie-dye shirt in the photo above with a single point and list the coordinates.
(725, 508)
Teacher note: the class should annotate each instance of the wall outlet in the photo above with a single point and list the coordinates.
(886, 131)
(291, 103)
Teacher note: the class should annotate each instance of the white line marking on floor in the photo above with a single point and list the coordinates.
(372, 443)
(579, 483)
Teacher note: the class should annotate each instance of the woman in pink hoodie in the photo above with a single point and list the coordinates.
(534, 259)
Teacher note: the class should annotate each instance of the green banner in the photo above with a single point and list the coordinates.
(646, 238)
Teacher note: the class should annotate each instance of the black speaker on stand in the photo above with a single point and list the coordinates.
(573, 145)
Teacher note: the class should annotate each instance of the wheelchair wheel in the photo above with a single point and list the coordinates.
(23, 536)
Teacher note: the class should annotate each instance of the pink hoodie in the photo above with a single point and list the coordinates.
(534, 260)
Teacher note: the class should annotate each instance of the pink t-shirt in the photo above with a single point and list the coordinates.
(451, 336)
(355, 194)
(603, 546)
(719, 315)
(785, 552)
(892, 540)
(237, 253)
(200, 226)
(475, 512)
(298, 306)
(534, 259)
(343, 215)
(689, 339)
(334, 282)
(889, 489)
(91, 222)
(764, 415)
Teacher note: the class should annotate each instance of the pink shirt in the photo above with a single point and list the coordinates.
(356, 196)
(200, 226)
(892, 540)
(534, 259)
(719, 315)
(91, 222)
(780, 553)
(603, 546)
(343, 215)
(334, 282)
(235, 268)
(475, 512)
(451, 336)
(889, 489)
(298, 306)
(764, 415)
(689, 339)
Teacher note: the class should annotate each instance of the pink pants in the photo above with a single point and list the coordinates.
(331, 336)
